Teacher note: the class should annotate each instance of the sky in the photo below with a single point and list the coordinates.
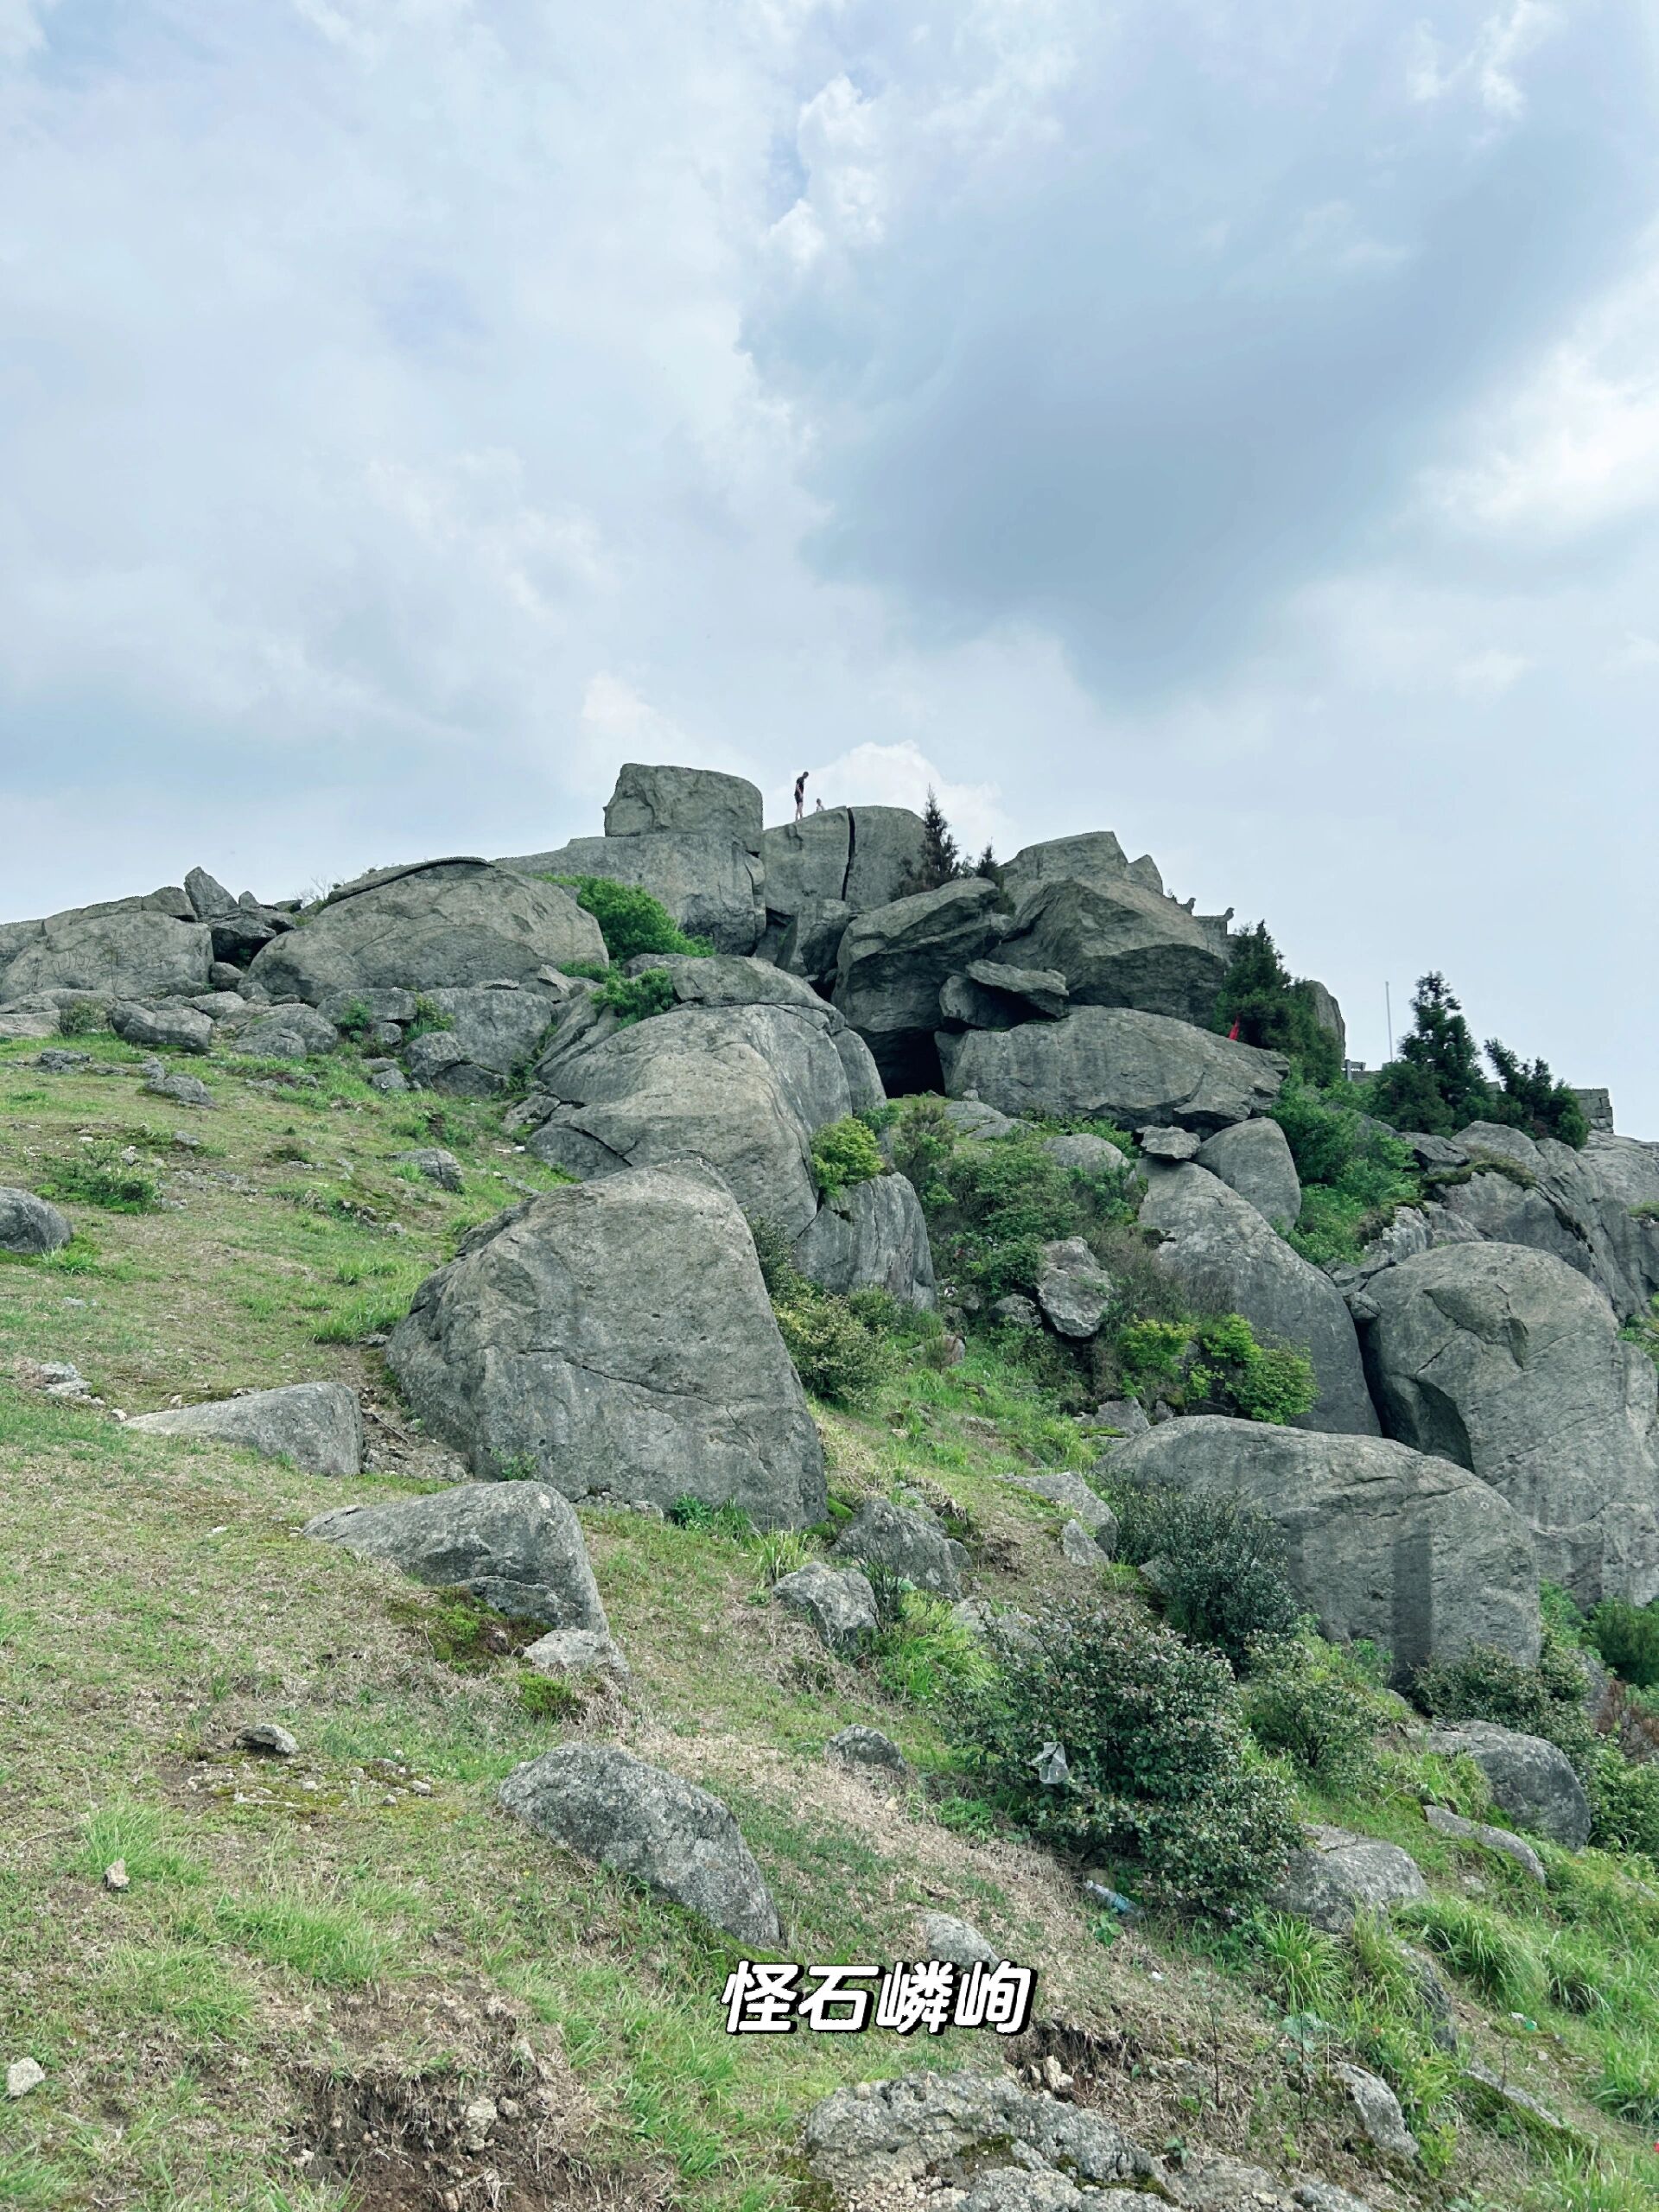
(1237, 428)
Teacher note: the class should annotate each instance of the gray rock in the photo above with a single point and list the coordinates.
(1094, 858)
(128, 952)
(61, 1062)
(289, 1033)
(1128, 1416)
(1119, 945)
(862, 856)
(709, 884)
(698, 802)
(269, 1737)
(498, 1024)
(1341, 1875)
(618, 1338)
(389, 1081)
(1020, 1312)
(433, 1162)
(1114, 1064)
(873, 1237)
(874, 2137)
(1078, 1546)
(183, 1089)
(837, 1602)
(1075, 1498)
(1253, 1158)
(990, 994)
(1089, 1155)
(1072, 1288)
(515, 1546)
(223, 975)
(979, 1124)
(1531, 1780)
(1505, 2095)
(439, 1061)
(1383, 1542)
(604, 1805)
(367, 1004)
(1225, 1258)
(958, 1941)
(23, 2076)
(29, 1226)
(906, 1541)
(811, 943)
(563, 1652)
(1503, 1841)
(1377, 2110)
(870, 1752)
(318, 1425)
(209, 899)
(179, 1028)
(1173, 1145)
(1510, 1364)
(439, 925)
(893, 962)
(15, 1026)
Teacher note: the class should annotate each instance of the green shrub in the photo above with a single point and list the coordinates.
(1528, 1097)
(1312, 1702)
(1627, 1638)
(844, 1153)
(356, 1018)
(1487, 1684)
(1272, 1011)
(545, 1697)
(1269, 1383)
(922, 1141)
(1217, 1566)
(1625, 1796)
(991, 1208)
(1353, 1174)
(96, 1175)
(430, 1019)
(630, 920)
(924, 1653)
(1159, 1764)
(637, 998)
(81, 1018)
(835, 1354)
(728, 1520)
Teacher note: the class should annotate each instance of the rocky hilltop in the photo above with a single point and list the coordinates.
(805, 1153)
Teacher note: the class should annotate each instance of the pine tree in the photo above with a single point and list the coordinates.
(940, 861)
(1436, 1084)
(1274, 1011)
(1531, 1099)
(989, 866)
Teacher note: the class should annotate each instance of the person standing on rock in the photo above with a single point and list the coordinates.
(800, 794)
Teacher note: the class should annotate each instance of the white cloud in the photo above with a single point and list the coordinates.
(1488, 68)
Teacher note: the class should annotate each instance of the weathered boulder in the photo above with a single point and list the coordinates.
(29, 1226)
(906, 1541)
(497, 1026)
(1093, 858)
(440, 925)
(608, 1807)
(698, 802)
(1339, 1875)
(1509, 1362)
(811, 943)
(129, 952)
(873, 1236)
(867, 1750)
(836, 1602)
(1530, 1779)
(286, 1033)
(434, 1164)
(616, 1339)
(1074, 1496)
(1253, 1158)
(318, 1426)
(1089, 1155)
(1218, 1247)
(990, 994)
(1383, 1542)
(864, 856)
(867, 2142)
(1119, 945)
(349, 1008)
(710, 883)
(945, 1936)
(179, 1028)
(1501, 1840)
(439, 1061)
(1377, 2110)
(1072, 1288)
(515, 1546)
(563, 1652)
(209, 899)
(894, 962)
(1114, 1064)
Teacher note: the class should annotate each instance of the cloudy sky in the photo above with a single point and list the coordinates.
(1237, 426)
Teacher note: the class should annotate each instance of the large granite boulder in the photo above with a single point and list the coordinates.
(1509, 1362)
(1227, 1260)
(610, 1807)
(318, 1425)
(442, 924)
(128, 952)
(1253, 1158)
(710, 883)
(295, 1031)
(990, 994)
(497, 1026)
(861, 856)
(515, 1546)
(836, 1602)
(1093, 858)
(873, 1237)
(696, 802)
(1384, 1542)
(1120, 945)
(1340, 1874)
(177, 1028)
(894, 962)
(31, 1226)
(809, 942)
(1114, 1064)
(615, 1338)
(1531, 1780)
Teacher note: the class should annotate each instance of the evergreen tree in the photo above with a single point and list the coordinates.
(989, 866)
(1530, 1098)
(1436, 1084)
(1274, 1011)
(940, 862)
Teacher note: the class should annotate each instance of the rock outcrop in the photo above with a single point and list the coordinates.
(1253, 1158)
(1220, 1251)
(124, 950)
(873, 1237)
(1339, 1875)
(318, 1426)
(684, 802)
(615, 1339)
(1384, 1542)
(710, 883)
(1531, 1780)
(906, 1541)
(1119, 945)
(859, 857)
(893, 963)
(1114, 1064)
(1509, 1362)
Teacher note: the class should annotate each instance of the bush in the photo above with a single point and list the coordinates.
(1158, 1765)
(1313, 1702)
(923, 1652)
(1190, 1360)
(1625, 1796)
(1487, 1684)
(992, 1207)
(835, 1354)
(844, 1153)
(1273, 1011)
(1627, 1638)
(1528, 1097)
(636, 998)
(96, 1175)
(429, 1020)
(1353, 1175)
(357, 1019)
(630, 920)
(922, 1141)
(1219, 1567)
(80, 1018)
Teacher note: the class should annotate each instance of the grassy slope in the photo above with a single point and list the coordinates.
(365, 1904)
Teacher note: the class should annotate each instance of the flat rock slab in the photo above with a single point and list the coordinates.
(515, 1546)
(1114, 1064)
(318, 1425)
(608, 1807)
(878, 2135)
(1073, 1495)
